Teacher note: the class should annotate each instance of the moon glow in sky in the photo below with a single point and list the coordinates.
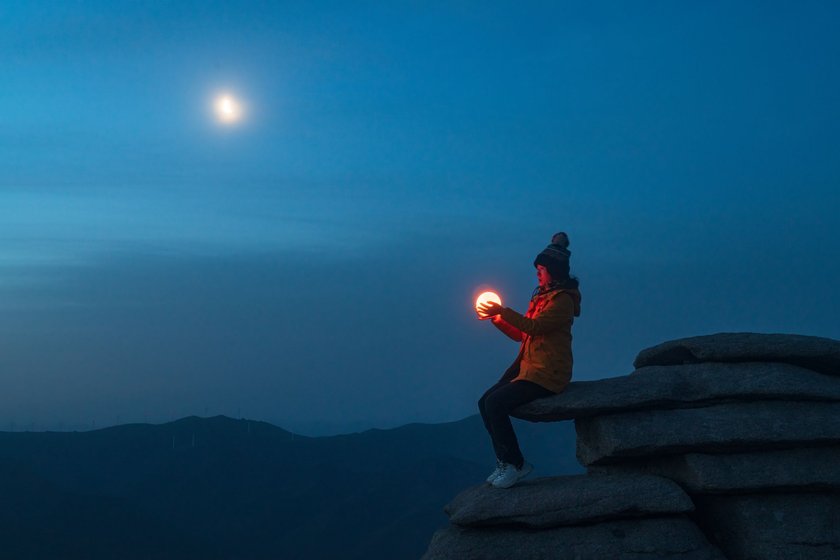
(228, 109)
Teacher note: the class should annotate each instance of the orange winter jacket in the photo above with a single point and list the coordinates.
(546, 334)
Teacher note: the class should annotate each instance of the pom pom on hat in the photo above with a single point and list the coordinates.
(561, 239)
(558, 248)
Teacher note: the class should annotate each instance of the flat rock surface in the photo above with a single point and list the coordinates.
(689, 385)
(568, 500)
(674, 538)
(812, 352)
(774, 526)
(701, 473)
(734, 427)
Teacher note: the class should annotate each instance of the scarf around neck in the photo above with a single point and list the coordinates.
(553, 285)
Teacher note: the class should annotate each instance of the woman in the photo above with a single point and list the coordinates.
(544, 364)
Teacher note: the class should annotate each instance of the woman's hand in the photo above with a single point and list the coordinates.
(488, 310)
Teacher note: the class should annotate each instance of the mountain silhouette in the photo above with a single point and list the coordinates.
(224, 488)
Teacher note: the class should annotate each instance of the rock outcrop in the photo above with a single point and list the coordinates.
(687, 386)
(721, 446)
(811, 352)
(714, 429)
(804, 469)
(674, 538)
(568, 500)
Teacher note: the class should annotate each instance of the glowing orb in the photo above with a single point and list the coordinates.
(228, 110)
(486, 297)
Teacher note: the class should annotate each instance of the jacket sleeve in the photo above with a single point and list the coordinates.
(554, 316)
(511, 331)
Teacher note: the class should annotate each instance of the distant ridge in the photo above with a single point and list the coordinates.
(221, 487)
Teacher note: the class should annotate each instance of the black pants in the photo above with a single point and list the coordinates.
(495, 407)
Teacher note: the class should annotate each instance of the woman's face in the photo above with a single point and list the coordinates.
(543, 276)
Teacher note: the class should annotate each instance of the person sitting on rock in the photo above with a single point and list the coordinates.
(544, 364)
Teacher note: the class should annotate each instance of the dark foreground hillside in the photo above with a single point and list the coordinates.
(222, 488)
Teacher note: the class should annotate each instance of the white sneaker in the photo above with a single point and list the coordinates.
(496, 472)
(510, 475)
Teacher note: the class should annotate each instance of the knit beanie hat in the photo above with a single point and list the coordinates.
(555, 257)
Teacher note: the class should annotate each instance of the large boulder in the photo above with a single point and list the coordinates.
(675, 538)
(732, 427)
(683, 386)
(812, 352)
(773, 526)
(748, 424)
(702, 473)
(568, 500)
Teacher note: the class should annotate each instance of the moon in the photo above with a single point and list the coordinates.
(228, 110)
(486, 297)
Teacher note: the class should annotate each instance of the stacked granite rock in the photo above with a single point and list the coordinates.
(720, 446)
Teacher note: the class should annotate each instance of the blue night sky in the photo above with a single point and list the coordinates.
(314, 264)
